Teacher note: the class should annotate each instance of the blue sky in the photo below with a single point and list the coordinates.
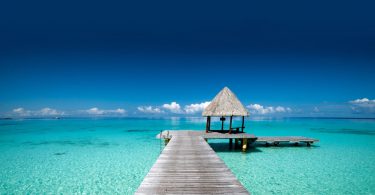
(123, 58)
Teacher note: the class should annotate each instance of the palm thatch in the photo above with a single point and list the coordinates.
(225, 103)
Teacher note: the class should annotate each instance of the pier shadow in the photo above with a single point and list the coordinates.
(224, 147)
(255, 148)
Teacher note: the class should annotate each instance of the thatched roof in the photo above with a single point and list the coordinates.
(225, 103)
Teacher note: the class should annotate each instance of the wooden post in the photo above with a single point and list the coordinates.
(222, 124)
(230, 142)
(244, 144)
(208, 124)
(230, 125)
(243, 123)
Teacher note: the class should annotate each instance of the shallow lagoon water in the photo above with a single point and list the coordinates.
(107, 156)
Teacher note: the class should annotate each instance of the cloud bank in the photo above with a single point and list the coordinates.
(363, 105)
(97, 111)
(42, 112)
(195, 108)
(149, 109)
(174, 108)
(262, 110)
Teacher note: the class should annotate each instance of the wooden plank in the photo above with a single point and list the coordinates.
(188, 165)
(251, 138)
(210, 135)
(285, 139)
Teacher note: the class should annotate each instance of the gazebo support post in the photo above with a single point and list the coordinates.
(222, 124)
(243, 123)
(208, 124)
(230, 124)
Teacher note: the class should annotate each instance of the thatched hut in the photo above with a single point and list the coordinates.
(225, 104)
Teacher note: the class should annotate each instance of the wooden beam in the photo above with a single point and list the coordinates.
(209, 123)
(243, 123)
(230, 124)
(208, 118)
(222, 124)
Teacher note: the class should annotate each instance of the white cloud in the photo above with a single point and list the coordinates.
(119, 111)
(195, 108)
(94, 111)
(173, 107)
(21, 112)
(280, 109)
(363, 105)
(42, 112)
(149, 109)
(97, 111)
(49, 111)
(364, 102)
(259, 109)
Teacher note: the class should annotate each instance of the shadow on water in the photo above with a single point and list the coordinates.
(139, 130)
(253, 148)
(59, 153)
(81, 143)
(224, 147)
(344, 131)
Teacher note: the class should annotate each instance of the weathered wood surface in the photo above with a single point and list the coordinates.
(250, 137)
(280, 139)
(188, 165)
(210, 135)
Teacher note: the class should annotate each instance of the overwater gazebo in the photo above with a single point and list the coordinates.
(225, 104)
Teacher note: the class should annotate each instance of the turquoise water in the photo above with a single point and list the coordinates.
(108, 156)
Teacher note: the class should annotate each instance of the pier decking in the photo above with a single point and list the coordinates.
(188, 165)
(211, 135)
(285, 139)
(267, 140)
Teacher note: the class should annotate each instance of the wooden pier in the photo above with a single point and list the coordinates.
(188, 165)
